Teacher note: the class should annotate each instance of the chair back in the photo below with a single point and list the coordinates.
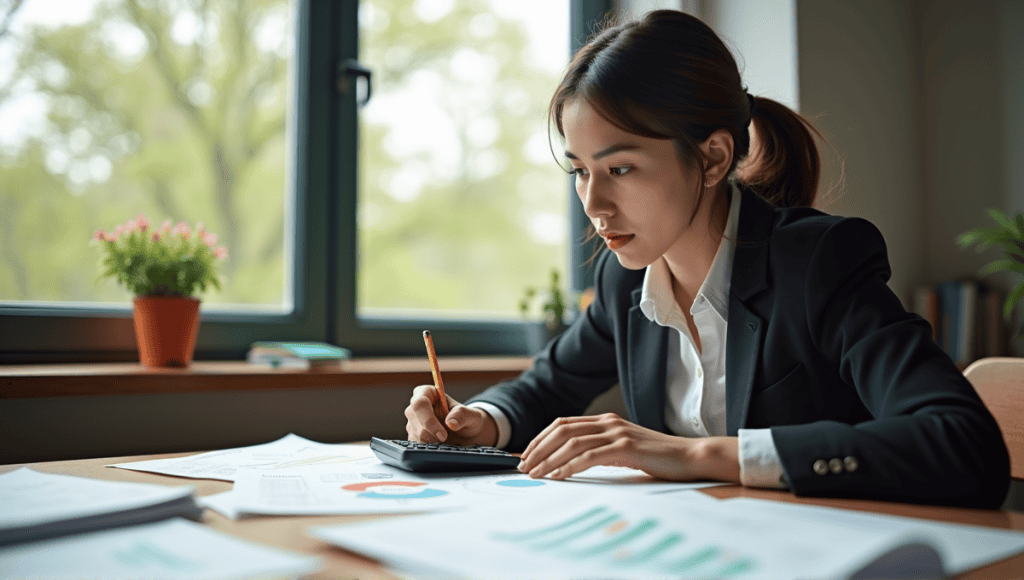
(999, 382)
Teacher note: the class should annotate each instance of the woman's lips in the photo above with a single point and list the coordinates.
(616, 242)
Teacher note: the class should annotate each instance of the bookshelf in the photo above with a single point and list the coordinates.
(966, 316)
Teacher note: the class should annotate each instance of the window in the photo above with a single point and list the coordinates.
(173, 110)
(111, 107)
(460, 203)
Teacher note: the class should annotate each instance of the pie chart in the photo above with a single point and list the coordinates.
(394, 490)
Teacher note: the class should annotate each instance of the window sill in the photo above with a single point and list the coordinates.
(72, 380)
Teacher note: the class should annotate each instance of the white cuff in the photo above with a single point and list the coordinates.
(760, 465)
(504, 426)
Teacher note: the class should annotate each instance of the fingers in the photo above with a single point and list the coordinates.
(422, 423)
(559, 423)
(566, 434)
(603, 450)
(463, 418)
(572, 444)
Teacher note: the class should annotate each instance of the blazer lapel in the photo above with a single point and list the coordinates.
(746, 328)
(647, 350)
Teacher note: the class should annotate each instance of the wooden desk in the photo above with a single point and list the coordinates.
(290, 532)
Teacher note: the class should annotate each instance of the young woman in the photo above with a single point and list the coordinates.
(754, 338)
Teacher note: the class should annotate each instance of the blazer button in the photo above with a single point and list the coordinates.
(851, 463)
(820, 467)
(835, 465)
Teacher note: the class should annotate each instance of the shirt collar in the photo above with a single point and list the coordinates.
(656, 298)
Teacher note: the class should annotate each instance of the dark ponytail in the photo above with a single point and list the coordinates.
(669, 76)
(783, 167)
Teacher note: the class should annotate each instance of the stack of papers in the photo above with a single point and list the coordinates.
(41, 505)
(171, 550)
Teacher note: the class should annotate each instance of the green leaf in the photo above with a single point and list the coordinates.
(1017, 257)
(1004, 221)
(972, 237)
(1012, 300)
(996, 266)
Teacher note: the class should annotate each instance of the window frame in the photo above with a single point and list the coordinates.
(323, 186)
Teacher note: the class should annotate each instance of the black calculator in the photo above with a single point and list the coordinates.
(438, 457)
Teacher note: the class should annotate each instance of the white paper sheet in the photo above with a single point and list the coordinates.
(173, 549)
(615, 534)
(369, 486)
(225, 503)
(961, 547)
(29, 498)
(377, 490)
(289, 452)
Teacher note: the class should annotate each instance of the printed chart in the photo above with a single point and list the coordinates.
(616, 534)
(394, 490)
(603, 534)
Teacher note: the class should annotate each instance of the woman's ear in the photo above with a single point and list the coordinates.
(717, 152)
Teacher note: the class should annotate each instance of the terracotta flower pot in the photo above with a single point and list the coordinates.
(165, 329)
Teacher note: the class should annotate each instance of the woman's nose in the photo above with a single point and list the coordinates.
(594, 195)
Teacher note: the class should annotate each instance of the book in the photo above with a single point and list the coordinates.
(949, 305)
(35, 506)
(298, 354)
(968, 293)
(991, 326)
(926, 306)
(966, 318)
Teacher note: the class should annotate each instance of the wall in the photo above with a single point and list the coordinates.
(1010, 15)
(1011, 49)
(963, 144)
(858, 84)
(924, 101)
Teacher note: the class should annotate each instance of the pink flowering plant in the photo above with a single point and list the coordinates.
(169, 261)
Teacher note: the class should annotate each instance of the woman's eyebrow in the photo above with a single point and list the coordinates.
(606, 151)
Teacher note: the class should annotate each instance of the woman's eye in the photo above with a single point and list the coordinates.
(578, 171)
(619, 170)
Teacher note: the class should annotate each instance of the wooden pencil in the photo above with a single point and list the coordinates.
(438, 383)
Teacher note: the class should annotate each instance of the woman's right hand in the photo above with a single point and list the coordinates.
(463, 425)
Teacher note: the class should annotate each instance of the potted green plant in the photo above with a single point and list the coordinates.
(1007, 232)
(554, 314)
(164, 269)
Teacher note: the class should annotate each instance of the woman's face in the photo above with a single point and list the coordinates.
(634, 189)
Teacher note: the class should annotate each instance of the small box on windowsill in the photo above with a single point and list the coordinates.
(298, 355)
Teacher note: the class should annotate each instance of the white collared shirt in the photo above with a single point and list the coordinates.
(695, 381)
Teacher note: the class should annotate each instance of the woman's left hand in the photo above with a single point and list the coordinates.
(572, 444)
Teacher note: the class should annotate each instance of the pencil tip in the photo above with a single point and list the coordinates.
(426, 333)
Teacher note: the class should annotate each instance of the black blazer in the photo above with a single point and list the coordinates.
(818, 348)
